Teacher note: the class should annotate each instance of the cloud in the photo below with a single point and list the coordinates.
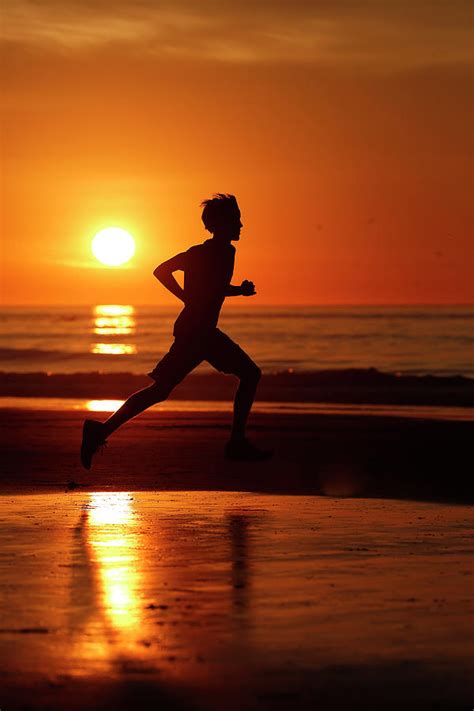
(393, 34)
(88, 264)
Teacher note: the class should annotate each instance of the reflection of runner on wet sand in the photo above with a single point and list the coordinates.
(84, 603)
(238, 530)
(208, 270)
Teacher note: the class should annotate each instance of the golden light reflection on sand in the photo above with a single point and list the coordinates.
(103, 405)
(109, 508)
(112, 538)
(114, 320)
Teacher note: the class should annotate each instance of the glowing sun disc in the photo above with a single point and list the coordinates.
(113, 246)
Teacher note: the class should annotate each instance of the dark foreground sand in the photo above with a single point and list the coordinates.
(337, 576)
(314, 454)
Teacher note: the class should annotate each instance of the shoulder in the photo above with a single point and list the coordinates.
(195, 250)
(195, 255)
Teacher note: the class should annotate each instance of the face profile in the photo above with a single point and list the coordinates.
(230, 228)
(221, 217)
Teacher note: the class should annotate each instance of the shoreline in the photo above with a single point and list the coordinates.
(64, 404)
(350, 386)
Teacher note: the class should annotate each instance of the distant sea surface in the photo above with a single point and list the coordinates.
(114, 338)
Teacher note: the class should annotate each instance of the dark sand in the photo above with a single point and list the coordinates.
(337, 576)
(314, 454)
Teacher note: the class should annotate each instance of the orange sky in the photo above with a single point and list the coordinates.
(344, 129)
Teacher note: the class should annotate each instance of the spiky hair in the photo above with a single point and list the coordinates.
(217, 210)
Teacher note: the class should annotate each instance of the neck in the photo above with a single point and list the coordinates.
(220, 238)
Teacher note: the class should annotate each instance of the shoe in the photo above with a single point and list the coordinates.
(92, 440)
(241, 450)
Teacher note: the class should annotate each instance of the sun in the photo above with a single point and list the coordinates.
(113, 246)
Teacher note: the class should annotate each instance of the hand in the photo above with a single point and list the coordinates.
(248, 288)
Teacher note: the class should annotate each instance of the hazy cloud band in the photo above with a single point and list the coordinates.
(384, 34)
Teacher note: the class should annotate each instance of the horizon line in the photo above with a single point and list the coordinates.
(235, 305)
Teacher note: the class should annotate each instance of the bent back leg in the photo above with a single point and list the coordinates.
(135, 404)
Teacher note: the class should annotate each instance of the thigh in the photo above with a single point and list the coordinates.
(227, 356)
(181, 359)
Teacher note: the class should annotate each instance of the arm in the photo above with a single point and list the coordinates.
(164, 274)
(247, 288)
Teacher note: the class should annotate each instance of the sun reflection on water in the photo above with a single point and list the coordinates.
(122, 326)
(114, 348)
(114, 320)
(114, 310)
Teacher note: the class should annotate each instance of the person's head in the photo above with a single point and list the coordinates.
(221, 217)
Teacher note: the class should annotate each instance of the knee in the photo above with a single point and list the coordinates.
(251, 375)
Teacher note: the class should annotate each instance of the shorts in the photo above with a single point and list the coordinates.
(214, 347)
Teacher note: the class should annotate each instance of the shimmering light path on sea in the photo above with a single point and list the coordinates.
(209, 597)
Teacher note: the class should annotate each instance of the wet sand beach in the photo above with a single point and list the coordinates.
(337, 576)
(211, 600)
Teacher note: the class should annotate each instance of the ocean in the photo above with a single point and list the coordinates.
(125, 338)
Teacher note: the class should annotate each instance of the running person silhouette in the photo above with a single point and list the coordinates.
(208, 269)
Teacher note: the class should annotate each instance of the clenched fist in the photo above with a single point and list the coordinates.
(248, 288)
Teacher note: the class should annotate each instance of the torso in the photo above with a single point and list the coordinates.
(208, 272)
